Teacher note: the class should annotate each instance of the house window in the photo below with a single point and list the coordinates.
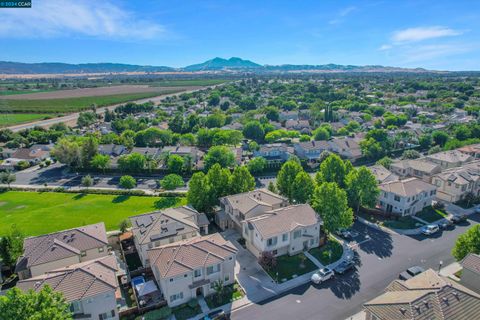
(75, 307)
(150, 245)
(171, 279)
(396, 198)
(171, 240)
(185, 275)
(83, 253)
(177, 296)
(213, 269)
(101, 249)
(227, 278)
(433, 192)
(285, 237)
(197, 273)
(106, 315)
(245, 228)
(311, 242)
(297, 234)
(184, 236)
(272, 241)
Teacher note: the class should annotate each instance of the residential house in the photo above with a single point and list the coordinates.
(89, 287)
(274, 153)
(382, 174)
(346, 147)
(472, 150)
(171, 225)
(300, 125)
(153, 153)
(425, 296)
(60, 249)
(193, 152)
(287, 230)
(470, 277)
(112, 150)
(189, 268)
(33, 155)
(288, 115)
(238, 207)
(419, 168)
(311, 150)
(449, 159)
(406, 197)
(454, 184)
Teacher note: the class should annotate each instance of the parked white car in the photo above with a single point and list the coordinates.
(322, 275)
(430, 229)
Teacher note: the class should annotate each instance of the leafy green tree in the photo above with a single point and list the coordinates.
(87, 181)
(215, 120)
(466, 243)
(133, 162)
(89, 150)
(219, 289)
(41, 305)
(330, 202)
(241, 180)
(425, 141)
(7, 177)
(332, 169)
(411, 154)
(221, 155)
(372, 149)
(362, 188)
(100, 161)
(254, 130)
(124, 225)
(214, 99)
(321, 134)
(68, 152)
(11, 246)
(440, 138)
(286, 176)
(271, 187)
(171, 182)
(385, 161)
(127, 182)
(303, 187)
(257, 164)
(86, 118)
(198, 192)
(272, 113)
(218, 181)
(175, 163)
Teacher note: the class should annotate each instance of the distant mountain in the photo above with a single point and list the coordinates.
(223, 64)
(231, 65)
(7, 67)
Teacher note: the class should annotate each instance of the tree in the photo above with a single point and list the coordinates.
(254, 130)
(89, 149)
(87, 181)
(124, 225)
(127, 182)
(175, 163)
(221, 155)
(257, 165)
(286, 176)
(362, 188)
(303, 187)
(411, 154)
(440, 138)
(171, 182)
(385, 161)
(372, 149)
(68, 152)
(219, 289)
(86, 118)
(100, 161)
(11, 246)
(267, 260)
(7, 178)
(271, 187)
(241, 180)
(272, 113)
(43, 304)
(198, 191)
(425, 141)
(330, 202)
(133, 162)
(321, 134)
(218, 181)
(466, 243)
(332, 169)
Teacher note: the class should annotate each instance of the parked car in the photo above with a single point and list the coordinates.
(445, 224)
(477, 210)
(216, 315)
(346, 233)
(430, 229)
(410, 272)
(322, 275)
(458, 218)
(344, 266)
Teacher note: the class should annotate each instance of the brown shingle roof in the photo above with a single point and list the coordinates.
(244, 202)
(406, 188)
(177, 258)
(78, 281)
(472, 262)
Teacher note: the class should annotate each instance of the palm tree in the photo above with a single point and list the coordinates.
(219, 289)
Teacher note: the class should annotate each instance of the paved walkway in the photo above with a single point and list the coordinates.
(203, 304)
(313, 259)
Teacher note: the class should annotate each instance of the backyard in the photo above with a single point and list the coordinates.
(38, 213)
(430, 214)
(328, 253)
(289, 267)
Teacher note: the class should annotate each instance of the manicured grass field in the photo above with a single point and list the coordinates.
(9, 119)
(328, 253)
(73, 104)
(431, 215)
(288, 266)
(39, 213)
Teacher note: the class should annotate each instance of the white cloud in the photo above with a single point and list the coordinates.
(430, 52)
(385, 47)
(57, 18)
(342, 14)
(423, 33)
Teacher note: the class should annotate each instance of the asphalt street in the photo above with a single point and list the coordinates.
(380, 258)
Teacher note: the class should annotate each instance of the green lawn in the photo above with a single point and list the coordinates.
(288, 266)
(74, 104)
(430, 214)
(39, 213)
(328, 253)
(403, 223)
(186, 83)
(184, 312)
(8, 119)
(231, 293)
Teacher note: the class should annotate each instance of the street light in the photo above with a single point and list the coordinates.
(440, 264)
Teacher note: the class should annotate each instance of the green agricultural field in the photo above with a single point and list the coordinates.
(187, 83)
(65, 105)
(39, 213)
(10, 119)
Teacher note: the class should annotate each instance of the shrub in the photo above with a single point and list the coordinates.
(127, 182)
(171, 182)
(157, 314)
(267, 260)
(193, 303)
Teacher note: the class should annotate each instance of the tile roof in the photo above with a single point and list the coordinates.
(314, 145)
(78, 281)
(426, 296)
(382, 174)
(407, 188)
(450, 156)
(472, 262)
(284, 220)
(244, 202)
(177, 258)
(60, 245)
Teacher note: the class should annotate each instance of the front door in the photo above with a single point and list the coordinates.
(199, 291)
(305, 245)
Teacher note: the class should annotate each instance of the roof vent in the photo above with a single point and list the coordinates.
(403, 310)
(455, 294)
(425, 302)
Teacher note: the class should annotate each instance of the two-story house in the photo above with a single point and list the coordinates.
(311, 150)
(238, 207)
(419, 168)
(449, 159)
(454, 184)
(406, 197)
(274, 153)
(470, 277)
(346, 147)
(60, 249)
(190, 268)
(89, 287)
(382, 174)
(171, 225)
(287, 230)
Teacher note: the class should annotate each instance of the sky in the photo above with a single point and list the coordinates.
(438, 35)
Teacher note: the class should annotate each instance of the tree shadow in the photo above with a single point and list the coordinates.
(379, 243)
(165, 202)
(120, 198)
(345, 286)
(79, 196)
